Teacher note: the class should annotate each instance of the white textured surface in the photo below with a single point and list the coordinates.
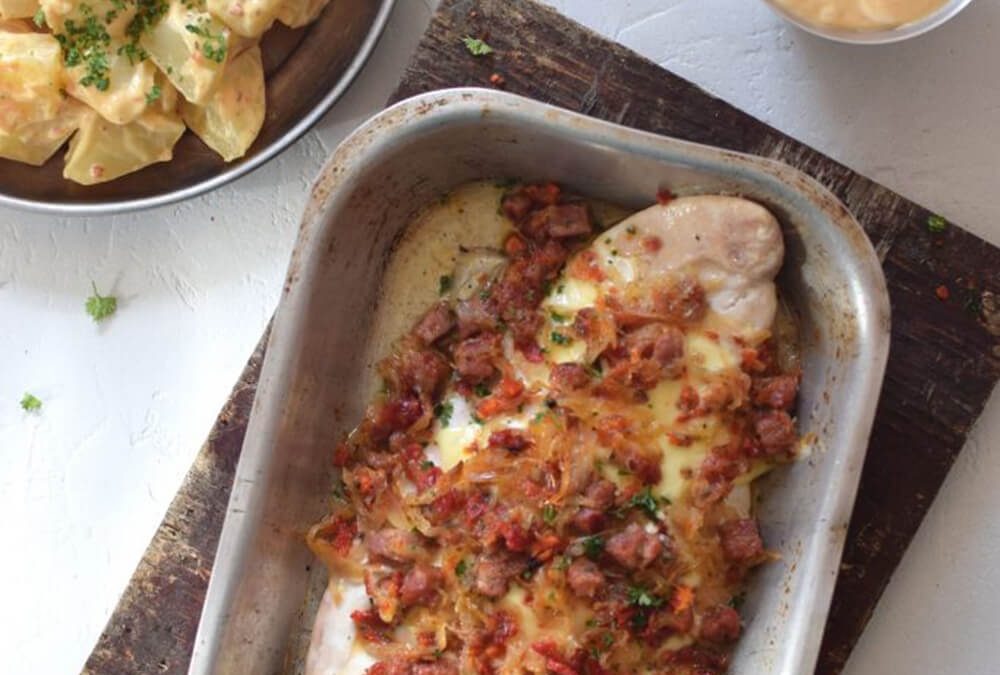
(84, 484)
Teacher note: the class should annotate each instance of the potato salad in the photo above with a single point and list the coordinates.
(122, 79)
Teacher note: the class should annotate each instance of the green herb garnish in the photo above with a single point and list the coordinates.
(549, 514)
(936, 224)
(444, 284)
(39, 18)
(560, 339)
(443, 412)
(214, 46)
(153, 95)
(557, 317)
(646, 501)
(639, 597)
(31, 403)
(476, 46)
(461, 568)
(482, 390)
(593, 547)
(100, 307)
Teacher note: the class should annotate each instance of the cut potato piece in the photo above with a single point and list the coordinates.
(298, 13)
(230, 121)
(18, 9)
(126, 89)
(246, 17)
(113, 16)
(102, 151)
(30, 79)
(190, 46)
(35, 143)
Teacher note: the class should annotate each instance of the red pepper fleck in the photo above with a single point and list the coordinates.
(498, 80)
(664, 196)
(942, 293)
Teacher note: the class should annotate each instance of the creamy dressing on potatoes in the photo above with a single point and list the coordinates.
(861, 14)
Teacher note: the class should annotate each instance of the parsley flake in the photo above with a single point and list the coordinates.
(549, 514)
(560, 339)
(100, 307)
(214, 46)
(39, 18)
(31, 403)
(557, 317)
(482, 390)
(640, 597)
(476, 46)
(153, 95)
(593, 547)
(444, 284)
(646, 501)
(461, 568)
(936, 224)
(443, 412)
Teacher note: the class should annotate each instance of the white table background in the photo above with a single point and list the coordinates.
(84, 484)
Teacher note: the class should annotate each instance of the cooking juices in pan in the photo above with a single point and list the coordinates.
(555, 476)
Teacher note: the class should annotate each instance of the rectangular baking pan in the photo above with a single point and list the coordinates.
(261, 599)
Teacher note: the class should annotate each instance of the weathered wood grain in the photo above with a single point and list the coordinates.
(943, 364)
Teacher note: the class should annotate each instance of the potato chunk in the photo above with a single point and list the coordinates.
(30, 79)
(120, 94)
(102, 151)
(34, 143)
(298, 13)
(190, 46)
(231, 119)
(249, 18)
(18, 9)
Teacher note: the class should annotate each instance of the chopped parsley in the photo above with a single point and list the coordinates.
(153, 95)
(936, 224)
(645, 501)
(339, 491)
(426, 464)
(31, 403)
(560, 339)
(461, 568)
(443, 412)
(593, 547)
(39, 18)
(476, 46)
(736, 602)
(482, 390)
(100, 307)
(444, 284)
(86, 44)
(640, 597)
(214, 46)
(564, 563)
(557, 317)
(549, 514)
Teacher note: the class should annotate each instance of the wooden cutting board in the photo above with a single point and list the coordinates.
(943, 364)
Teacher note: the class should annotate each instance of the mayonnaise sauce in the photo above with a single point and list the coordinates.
(861, 14)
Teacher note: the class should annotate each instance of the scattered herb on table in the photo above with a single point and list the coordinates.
(31, 403)
(100, 307)
(936, 224)
(476, 46)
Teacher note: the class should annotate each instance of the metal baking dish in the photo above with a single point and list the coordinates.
(260, 605)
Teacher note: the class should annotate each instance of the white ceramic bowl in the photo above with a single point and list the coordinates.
(876, 37)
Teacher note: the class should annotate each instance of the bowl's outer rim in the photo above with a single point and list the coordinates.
(876, 37)
(329, 192)
(63, 208)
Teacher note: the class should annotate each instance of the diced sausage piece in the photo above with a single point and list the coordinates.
(776, 431)
(435, 324)
(393, 545)
(420, 370)
(741, 542)
(493, 573)
(720, 625)
(570, 376)
(557, 222)
(601, 494)
(589, 521)
(439, 667)
(776, 392)
(475, 315)
(395, 415)
(420, 585)
(514, 440)
(585, 578)
(646, 465)
(681, 302)
(660, 342)
(475, 356)
(634, 548)
(515, 205)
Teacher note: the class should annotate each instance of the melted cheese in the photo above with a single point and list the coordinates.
(335, 648)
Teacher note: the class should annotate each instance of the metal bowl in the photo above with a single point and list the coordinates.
(307, 70)
(876, 37)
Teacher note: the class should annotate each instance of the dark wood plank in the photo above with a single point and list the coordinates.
(943, 364)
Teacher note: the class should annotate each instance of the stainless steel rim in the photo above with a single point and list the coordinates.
(877, 37)
(258, 160)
